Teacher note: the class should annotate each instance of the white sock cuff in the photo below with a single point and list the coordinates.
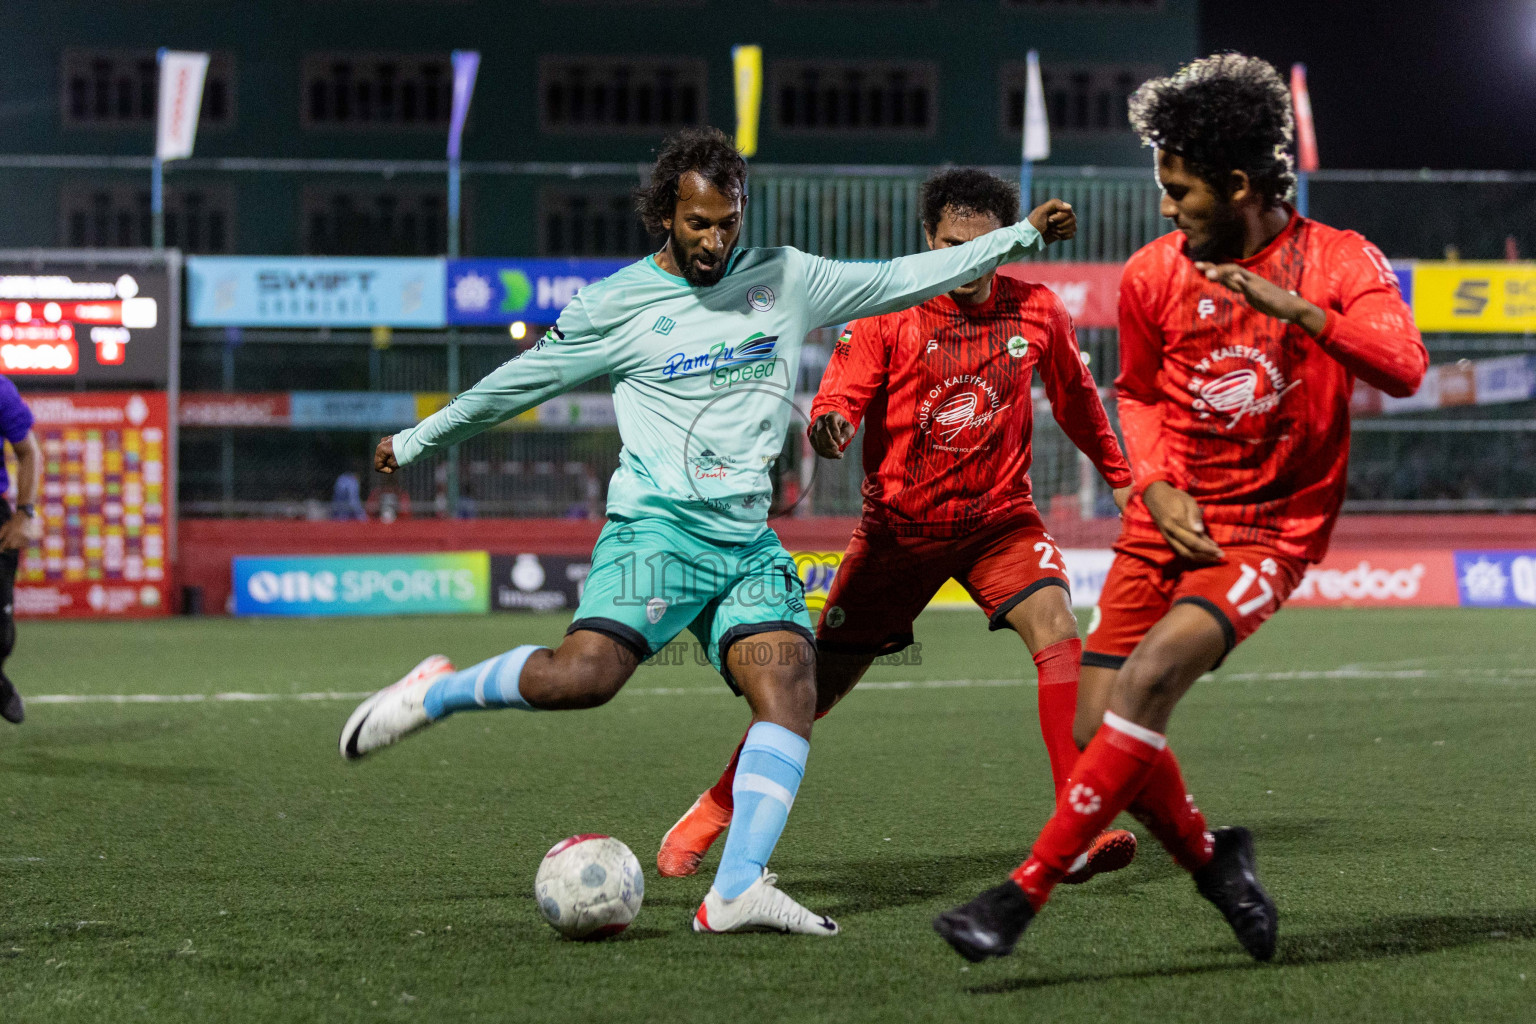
(509, 670)
(791, 747)
(1155, 740)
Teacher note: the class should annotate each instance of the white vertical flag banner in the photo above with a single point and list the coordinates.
(181, 97)
(1037, 129)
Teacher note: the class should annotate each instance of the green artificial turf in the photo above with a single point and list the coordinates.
(217, 860)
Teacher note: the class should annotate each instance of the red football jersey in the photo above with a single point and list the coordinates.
(945, 390)
(1248, 414)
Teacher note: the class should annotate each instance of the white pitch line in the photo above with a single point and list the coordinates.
(902, 684)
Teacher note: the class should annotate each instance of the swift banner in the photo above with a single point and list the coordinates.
(439, 583)
(497, 292)
(103, 505)
(314, 291)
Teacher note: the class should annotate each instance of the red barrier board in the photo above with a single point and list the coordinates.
(104, 507)
(1381, 578)
(216, 409)
(1090, 291)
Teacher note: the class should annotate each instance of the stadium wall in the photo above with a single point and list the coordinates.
(207, 546)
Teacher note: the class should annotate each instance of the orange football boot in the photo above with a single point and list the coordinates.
(1112, 850)
(685, 844)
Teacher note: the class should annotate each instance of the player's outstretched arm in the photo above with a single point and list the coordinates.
(571, 353)
(839, 292)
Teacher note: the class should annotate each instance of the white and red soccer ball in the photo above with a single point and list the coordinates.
(589, 887)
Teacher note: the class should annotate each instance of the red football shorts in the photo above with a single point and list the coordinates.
(885, 580)
(1147, 578)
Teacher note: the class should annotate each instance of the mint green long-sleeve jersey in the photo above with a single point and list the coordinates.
(703, 377)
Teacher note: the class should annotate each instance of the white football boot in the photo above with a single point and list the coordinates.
(762, 908)
(394, 712)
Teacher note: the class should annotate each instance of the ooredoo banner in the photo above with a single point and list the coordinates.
(1379, 577)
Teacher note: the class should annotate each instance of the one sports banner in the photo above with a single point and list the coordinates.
(747, 71)
(437, 583)
(181, 98)
(104, 506)
(466, 66)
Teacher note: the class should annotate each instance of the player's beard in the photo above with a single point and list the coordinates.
(1223, 238)
(694, 276)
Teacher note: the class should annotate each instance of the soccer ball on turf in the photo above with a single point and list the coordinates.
(589, 887)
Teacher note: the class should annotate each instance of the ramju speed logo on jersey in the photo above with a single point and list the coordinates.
(751, 360)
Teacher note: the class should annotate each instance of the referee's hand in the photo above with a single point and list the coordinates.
(384, 456)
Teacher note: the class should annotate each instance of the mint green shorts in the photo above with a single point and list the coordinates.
(652, 579)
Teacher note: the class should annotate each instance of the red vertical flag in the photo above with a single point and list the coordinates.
(1306, 138)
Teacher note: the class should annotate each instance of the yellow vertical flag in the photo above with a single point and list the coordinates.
(747, 62)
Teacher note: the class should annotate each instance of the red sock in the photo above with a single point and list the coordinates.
(1058, 667)
(1165, 807)
(721, 790)
(1105, 779)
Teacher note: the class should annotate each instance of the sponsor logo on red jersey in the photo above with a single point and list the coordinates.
(1251, 387)
(957, 411)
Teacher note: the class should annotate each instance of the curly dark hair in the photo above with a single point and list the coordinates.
(968, 190)
(1222, 113)
(708, 151)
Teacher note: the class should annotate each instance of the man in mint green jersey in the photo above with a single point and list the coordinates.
(701, 345)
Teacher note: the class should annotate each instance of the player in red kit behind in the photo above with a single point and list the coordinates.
(944, 392)
(1241, 335)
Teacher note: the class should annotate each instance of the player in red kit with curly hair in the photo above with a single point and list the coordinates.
(1241, 336)
(944, 392)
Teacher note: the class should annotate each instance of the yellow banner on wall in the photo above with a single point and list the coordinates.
(747, 64)
(1475, 297)
(817, 568)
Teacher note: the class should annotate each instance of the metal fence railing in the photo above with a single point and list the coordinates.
(1473, 458)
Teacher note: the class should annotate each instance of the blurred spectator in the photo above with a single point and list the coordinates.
(388, 502)
(347, 498)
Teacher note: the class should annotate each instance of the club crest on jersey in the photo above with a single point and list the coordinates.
(1017, 346)
(957, 411)
(760, 297)
(1246, 390)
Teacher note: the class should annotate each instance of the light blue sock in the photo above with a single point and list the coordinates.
(767, 778)
(490, 684)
